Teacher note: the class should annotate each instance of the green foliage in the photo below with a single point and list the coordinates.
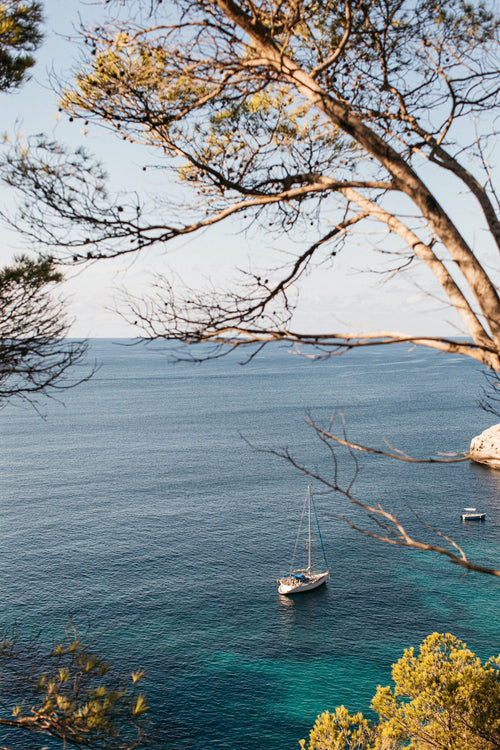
(29, 272)
(35, 356)
(340, 731)
(313, 117)
(444, 698)
(20, 35)
(69, 692)
(268, 110)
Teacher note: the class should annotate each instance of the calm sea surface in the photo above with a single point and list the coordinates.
(140, 505)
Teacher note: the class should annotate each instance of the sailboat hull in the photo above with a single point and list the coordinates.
(289, 585)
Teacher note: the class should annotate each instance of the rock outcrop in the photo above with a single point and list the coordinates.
(485, 448)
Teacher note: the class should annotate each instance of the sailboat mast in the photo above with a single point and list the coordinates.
(309, 544)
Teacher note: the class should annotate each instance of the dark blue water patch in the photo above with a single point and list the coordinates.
(139, 506)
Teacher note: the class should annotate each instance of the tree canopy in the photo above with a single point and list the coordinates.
(444, 698)
(65, 690)
(20, 36)
(34, 357)
(317, 120)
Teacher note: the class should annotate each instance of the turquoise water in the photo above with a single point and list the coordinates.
(141, 506)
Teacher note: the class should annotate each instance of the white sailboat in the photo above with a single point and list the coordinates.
(305, 579)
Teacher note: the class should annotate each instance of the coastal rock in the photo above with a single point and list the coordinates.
(485, 448)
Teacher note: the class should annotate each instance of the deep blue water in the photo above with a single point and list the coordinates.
(138, 504)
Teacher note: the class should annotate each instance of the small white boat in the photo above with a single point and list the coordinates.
(305, 579)
(471, 514)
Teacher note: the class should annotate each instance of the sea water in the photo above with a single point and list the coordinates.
(151, 503)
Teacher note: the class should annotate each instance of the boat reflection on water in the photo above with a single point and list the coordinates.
(303, 612)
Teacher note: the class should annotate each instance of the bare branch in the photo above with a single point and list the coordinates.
(36, 358)
(390, 528)
(394, 453)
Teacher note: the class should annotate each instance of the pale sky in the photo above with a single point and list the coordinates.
(345, 300)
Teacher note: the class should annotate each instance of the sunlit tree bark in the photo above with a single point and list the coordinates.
(288, 114)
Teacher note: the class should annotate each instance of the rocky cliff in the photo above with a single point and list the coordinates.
(485, 448)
